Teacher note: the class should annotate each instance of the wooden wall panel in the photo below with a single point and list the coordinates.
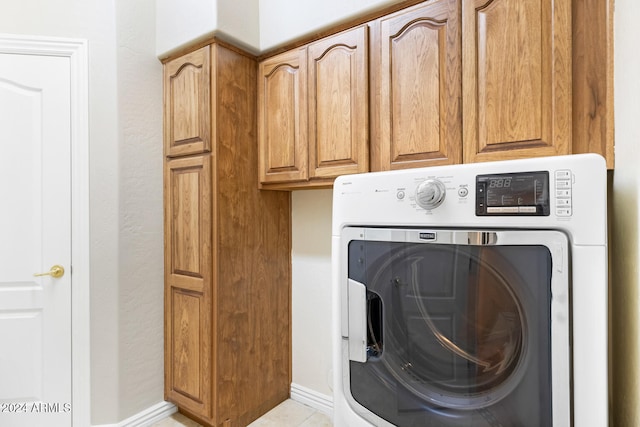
(252, 245)
(592, 63)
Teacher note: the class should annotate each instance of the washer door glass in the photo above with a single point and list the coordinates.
(457, 335)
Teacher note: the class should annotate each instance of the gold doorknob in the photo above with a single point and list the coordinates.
(57, 271)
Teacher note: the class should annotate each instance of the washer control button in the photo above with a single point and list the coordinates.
(463, 191)
(564, 193)
(400, 194)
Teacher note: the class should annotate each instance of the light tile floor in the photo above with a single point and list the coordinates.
(288, 414)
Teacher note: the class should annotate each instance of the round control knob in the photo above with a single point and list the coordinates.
(430, 194)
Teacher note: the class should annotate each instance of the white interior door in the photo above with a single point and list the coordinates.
(35, 235)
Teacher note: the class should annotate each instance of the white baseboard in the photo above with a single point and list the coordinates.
(148, 417)
(318, 401)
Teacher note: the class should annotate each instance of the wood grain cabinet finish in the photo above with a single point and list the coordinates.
(338, 103)
(227, 264)
(313, 104)
(283, 133)
(416, 65)
(188, 298)
(516, 78)
(592, 63)
(187, 113)
(450, 81)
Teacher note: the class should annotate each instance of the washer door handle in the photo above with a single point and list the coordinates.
(357, 321)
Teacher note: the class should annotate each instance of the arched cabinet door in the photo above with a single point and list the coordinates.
(339, 104)
(187, 111)
(516, 78)
(417, 73)
(282, 118)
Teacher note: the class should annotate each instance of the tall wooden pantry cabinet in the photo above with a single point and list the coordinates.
(227, 246)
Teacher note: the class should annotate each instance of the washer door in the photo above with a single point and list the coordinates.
(456, 334)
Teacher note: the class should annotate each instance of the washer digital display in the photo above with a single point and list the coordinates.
(523, 193)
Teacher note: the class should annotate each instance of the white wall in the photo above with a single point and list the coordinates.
(239, 20)
(625, 308)
(181, 22)
(311, 293)
(284, 20)
(256, 25)
(125, 164)
(140, 246)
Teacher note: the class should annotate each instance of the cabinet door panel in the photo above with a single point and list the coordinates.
(282, 118)
(185, 221)
(188, 265)
(187, 104)
(338, 105)
(186, 344)
(517, 78)
(419, 83)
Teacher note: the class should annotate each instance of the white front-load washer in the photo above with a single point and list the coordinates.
(472, 295)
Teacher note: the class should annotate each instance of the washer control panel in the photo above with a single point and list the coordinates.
(509, 194)
(540, 193)
(555, 192)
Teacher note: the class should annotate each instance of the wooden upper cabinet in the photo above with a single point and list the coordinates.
(516, 78)
(338, 103)
(187, 113)
(416, 65)
(439, 82)
(282, 117)
(188, 274)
